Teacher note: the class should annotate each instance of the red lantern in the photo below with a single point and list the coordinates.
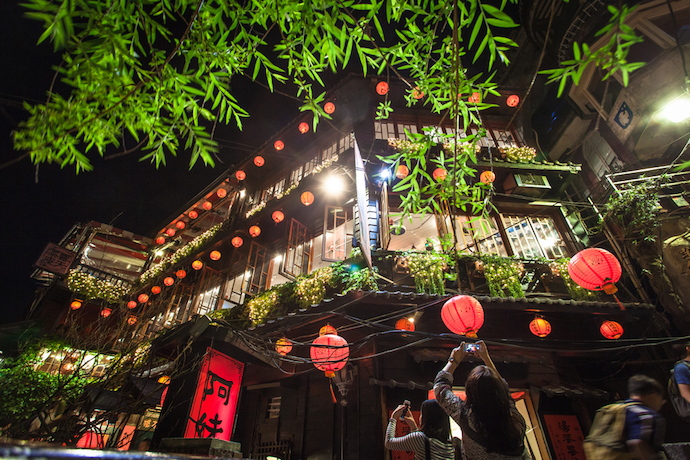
(611, 330)
(170, 232)
(463, 315)
(193, 214)
(307, 198)
(106, 312)
(237, 241)
(329, 107)
(254, 231)
(440, 174)
(279, 145)
(75, 305)
(513, 100)
(402, 172)
(215, 255)
(303, 128)
(328, 330)
(207, 205)
(160, 240)
(179, 224)
(156, 290)
(540, 327)
(417, 93)
(240, 175)
(197, 265)
(132, 304)
(169, 281)
(180, 274)
(404, 324)
(595, 269)
(259, 161)
(487, 177)
(475, 98)
(132, 320)
(329, 353)
(382, 88)
(222, 193)
(143, 298)
(278, 216)
(283, 346)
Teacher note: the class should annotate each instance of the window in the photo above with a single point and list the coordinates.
(256, 272)
(296, 175)
(334, 234)
(273, 410)
(298, 251)
(384, 129)
(209, 292)
(533, 237)
(310, 165)
(599, 155)
(477, 234)
(409, 127)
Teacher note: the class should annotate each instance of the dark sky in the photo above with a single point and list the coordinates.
(40, 205)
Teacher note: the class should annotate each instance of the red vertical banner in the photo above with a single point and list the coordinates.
(566, 436)
(402, 429)
(215, 400)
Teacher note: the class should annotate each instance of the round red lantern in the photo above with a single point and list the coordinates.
(132, 304)
(193, 214)
(487, 177)
(404, 324)
(254, 231)
(160, 240)
(237, 241)
(283, 346)
(475, 98)
(197, 265)
(207, 205)
(329, 107)
(307, 198)
(105, 312)
(402, 172)
(156, 290)
(382, 88)
(180, 224)
(595, 269)
(240, 175)
(143, 298)
(169, 281)
(180, 274)
(277, 216)
(440, 174)
(417, 93)
(463, 314)
(278, 145)
(513, 100)
(259, 161)
(329, 353)
(170, 232)
(214, 255)
(303, 127)
(75, 305)
(132, 320)
(327, 329)
(540, 327)
(611, 330)
(222, 193)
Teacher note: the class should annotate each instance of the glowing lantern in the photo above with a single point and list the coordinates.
(440, 174)
(328, 330)
(475, 98)
(132, 304)
(215, 255)
(170, 232)
(169, 281)
(160, 240)
(254, 231)
(156, 290)
(240, 175)
(279, 145)
(540, 327)
(179, 224)
(278, 216)
(513, 100)
(463, 315)
(382, 88)
(164, 379)
(75, 305)
(595, 269)
(417, 93)
(143, 298)
(106, 312)
(132, 320)
(329, 353)
(259, 161)
(193, 214)
(283, 346)
(611, 330)
(487, 177)
(307, 198)
(404, 324)
(329, 107)
(222, 193)
(303, 127)
(180, 274)
(402, 172)
(237, 241)
(207, 205)
(197, 265)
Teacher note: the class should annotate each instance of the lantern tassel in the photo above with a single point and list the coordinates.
(330, 381)
(619, 303)
(471, 334)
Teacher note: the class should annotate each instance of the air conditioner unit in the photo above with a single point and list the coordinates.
(533, 185)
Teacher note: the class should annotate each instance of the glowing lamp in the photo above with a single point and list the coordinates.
(160, 240)
(329, 353)
(179, 224)
(540, 327)
(75, 305)
(328, 329)
(170, 232)
(193, 214)
(487, 177)
(259, 161)
(475, 98)
(106, 312)
(207, 205)
(222, 193)
(277, 216)
(197, 265)
(156, 290)
(215, 255)
(513, 100)
(164, 379)
(143, 298)
(283, 346)
(404, 324)
(169, 281)
(611, 330)
(180, 274)
(254, 231)
(303, 127)
(237, 241)
(132, 304)
(132, 320)
(307, 198)
(278, 145)
(240, 175)
(463, 314)
(417, 93)
(402, 172)
(595, 269)
(329, 107)
(439, 174)
(382, 88)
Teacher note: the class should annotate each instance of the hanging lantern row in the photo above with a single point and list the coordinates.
(132, 304)
(197, 265)
(303, 127)
(402, 172)
(160, 240)
(463, 314)
(193, 214)
(180, 224)
(475, 98)
(105, 312)
(329, 107)
(284, 346)
(513, 100)
(237, 241)
(143, 298)
(382, 89)
(75, 305)
(170, 232)
(279, 145)
(222, 193)
(214, 255)
(156, 289)
(329, 353)
(132, 320)
(487, 177)
(540, 327)
(277, 216)
(439, 174)
(259, 161)
(169, 281)
(254, 231)
(240, 175)
(404, 324)
(307, 198)
(207, 205)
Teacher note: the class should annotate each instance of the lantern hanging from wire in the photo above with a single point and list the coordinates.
(595, 269)
(404, 324)
(382, 88)
(417, 93)
(143, 298)
(193, 214)
(207, 205)
(402, 172)
(278, 145)
(180, 224)
(156, 290)
(75, 305)
(329, 107)
(307, 198)
(439, 174)
(160, 240)
(283, 346)
(254, 231)
(237, 241)
(170, 232)
(105, 312)
(169, 281)
(259, 161)
(463, 314)
(513, 100)
(487, 177)
(329, 353)
(278, 216)
(197, 265)
(475, 98)
(327, 329)
(303, 127)
(540, 327)
(240, 175)
(132, 304)
(214, 255)
(611, 330)
(222, 193)
(132, 320)
(180, 274)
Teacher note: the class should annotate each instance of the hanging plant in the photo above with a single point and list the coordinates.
(518, 154)
(559, 268)
(262, 305)
(635, 211)
(405, 146)
(311, 290)
(427, 271)
(91, 287)
(503, 276)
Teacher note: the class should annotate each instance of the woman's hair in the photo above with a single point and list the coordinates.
(489, 399)
(435, 421)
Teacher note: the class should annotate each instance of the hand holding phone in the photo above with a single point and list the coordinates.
(405, 409)
(471, 348)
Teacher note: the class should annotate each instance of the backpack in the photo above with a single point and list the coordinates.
(605, 439)
(681, 406)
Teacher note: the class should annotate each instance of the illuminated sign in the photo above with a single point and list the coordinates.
(215, 400)
(402, 429)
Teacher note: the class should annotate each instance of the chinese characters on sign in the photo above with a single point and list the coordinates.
(55, 259)
(566, 436)
(215, 400)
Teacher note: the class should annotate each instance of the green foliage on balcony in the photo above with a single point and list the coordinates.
(91, 287)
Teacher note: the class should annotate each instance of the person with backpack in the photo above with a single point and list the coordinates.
(679, 384)
(431, 441)
(632, 429)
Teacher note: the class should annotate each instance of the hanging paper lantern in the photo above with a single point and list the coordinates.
(169, 281)
(382, 88)
(279, 145)
(254, 231)
(540, 327)
(595, 269)
(463, 314)
(75, 305)
(240, 175)
(170, 232)
(277, 216)
(417, 93)
(179, 224)
(207, 205)
(132, 304)
(193, 214)
(404, 324)
(164, 379)
(327, 329)
(143, 298)
(132, 320)
(487, 177)
(160, 240)
(329, 353)
(156, 289)
(303, 127)
(283, 346)
(402, 172)
(307, 198)
(180, 274)
(259, 161)
(440, 174)
(513, 100)
(611, 330)
(197, 265)
(237, 241)
(222, 193)
(329, 108)
(105, 312)
(475, 98)
(215, 255)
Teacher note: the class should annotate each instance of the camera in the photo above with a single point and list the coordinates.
(471, 348)
(405, 409)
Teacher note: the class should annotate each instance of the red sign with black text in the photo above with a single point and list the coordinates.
(566, 436)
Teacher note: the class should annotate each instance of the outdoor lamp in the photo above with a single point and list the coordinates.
(678, 110)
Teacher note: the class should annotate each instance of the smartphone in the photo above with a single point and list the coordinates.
(471, 348)
(404, 411)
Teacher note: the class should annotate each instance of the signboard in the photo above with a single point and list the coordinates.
(362, 205)
(402, 429)
(55, 259)
(212, 414)
(566, 436)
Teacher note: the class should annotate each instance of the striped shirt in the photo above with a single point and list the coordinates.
(414, 442)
